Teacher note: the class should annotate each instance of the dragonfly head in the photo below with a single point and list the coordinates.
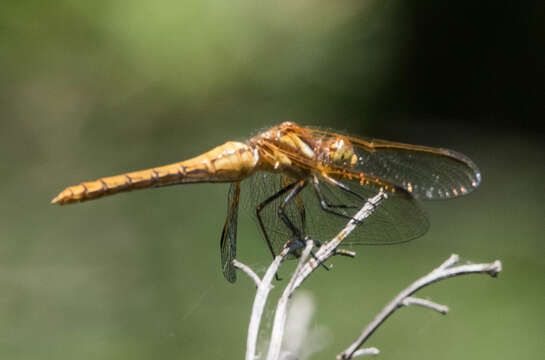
(340, 152)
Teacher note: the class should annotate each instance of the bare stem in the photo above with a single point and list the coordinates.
(263, 288)
(279, 323)
(329, 249)
(306, 266)
(366, 351)
(303, 270)
(443, 309)
(248, 271)
(444, 271)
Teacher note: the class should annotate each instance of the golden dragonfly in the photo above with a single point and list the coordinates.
(300, 178)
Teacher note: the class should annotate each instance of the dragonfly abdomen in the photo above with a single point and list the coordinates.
(230, 162)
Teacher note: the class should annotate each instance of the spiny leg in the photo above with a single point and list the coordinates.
(341, 186)
(294, 189)
(299, 243)
(352, 192)
(262, 205)
(300, 185)
(328, 207)
(300, 207)
(302, 213)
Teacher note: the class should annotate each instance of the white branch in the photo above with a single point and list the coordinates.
(366, 351)
(344, 252)
(279, 323)
(329, 249)
(443, 309)
(304, 268)
(248, 271)
(444, 271)
(453, 259)
(263, 289)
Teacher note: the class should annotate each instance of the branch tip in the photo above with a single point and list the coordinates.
(453, 259)
(366, 351)
(248, 271)
(444, 271)
(344, 252)
(306, 265)
(495, 268)
(442, 309)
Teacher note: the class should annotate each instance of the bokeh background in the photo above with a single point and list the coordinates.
(96, 88)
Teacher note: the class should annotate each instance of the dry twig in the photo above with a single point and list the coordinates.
(264, 286)
(304, 268)
(446, 270)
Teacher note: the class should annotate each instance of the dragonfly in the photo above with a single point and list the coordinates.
(301, 181)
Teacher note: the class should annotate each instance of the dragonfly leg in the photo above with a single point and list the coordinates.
(300, 185)
(262, 205)
(300, 207)
(328, 207)
(296, 245)
(293, 190)
(296, 232)
(302, 213)
(341, 186)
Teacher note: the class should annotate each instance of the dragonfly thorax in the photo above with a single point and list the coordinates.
(283, 150)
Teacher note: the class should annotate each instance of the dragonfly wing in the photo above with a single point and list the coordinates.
(263, 185)
(228, 244)
(399, 218)
(427, 173)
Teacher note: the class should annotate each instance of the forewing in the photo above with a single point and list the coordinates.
(425, 172)
(228, 244)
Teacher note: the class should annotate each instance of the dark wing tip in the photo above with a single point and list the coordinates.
(230, 274)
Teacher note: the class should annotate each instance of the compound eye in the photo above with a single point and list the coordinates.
(353, 159)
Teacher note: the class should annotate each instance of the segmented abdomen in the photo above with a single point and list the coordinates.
(232, 161)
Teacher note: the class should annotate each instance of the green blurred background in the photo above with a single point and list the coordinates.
(96, 88)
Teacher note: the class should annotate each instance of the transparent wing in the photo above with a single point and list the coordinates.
(228, 243)
(399, 218)
(427, 173)
(260, 187)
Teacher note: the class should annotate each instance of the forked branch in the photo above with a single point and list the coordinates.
(303, 270)
(447, 269)
(264, 286)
